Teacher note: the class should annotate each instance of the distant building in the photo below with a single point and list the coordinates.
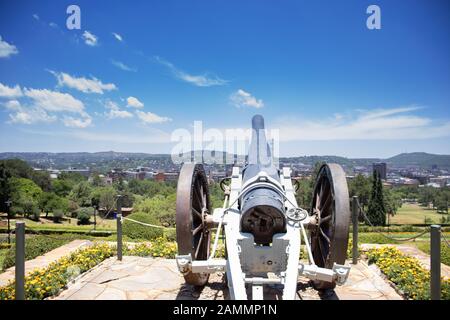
(166, 176)
(381, 169)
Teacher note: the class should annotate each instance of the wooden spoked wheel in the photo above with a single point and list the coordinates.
(193, 207)
(331, 205)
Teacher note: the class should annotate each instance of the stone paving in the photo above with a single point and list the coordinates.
(412, 251)
(137, 278)
(44, 260)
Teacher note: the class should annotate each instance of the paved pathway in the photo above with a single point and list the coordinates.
(44, 260)
(137, 278)
(412, 251)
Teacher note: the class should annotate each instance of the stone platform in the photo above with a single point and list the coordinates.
(137, 278)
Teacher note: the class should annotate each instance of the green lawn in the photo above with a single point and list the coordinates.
(415, 214)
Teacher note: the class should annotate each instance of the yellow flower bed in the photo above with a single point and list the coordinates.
(49, 281)
(406, 273)
(159, 247)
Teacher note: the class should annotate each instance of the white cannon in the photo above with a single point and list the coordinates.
(263, 226)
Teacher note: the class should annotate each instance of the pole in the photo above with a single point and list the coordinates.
(95, 218)
(8, 216)
(20, 260)
(119, 229)
(435, 262)
(355, 229)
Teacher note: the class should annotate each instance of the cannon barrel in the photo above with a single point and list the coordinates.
(262, 199)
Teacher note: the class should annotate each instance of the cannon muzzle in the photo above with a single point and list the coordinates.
(262, 196)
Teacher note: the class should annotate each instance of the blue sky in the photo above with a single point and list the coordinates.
(135, 72)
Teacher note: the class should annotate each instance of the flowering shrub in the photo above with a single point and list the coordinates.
(159, 247)
(46, 282)
(406, 273)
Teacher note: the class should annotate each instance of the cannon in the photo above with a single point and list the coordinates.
(262, 226)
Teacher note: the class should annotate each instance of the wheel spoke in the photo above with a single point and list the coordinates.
(322, 253)
(324, 235)
(199, 245)
(326, 204)
(325, 220)
(197, 214)
(196, 230)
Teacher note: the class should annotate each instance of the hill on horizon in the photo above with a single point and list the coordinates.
(130, 159)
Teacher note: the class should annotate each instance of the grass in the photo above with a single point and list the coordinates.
(2, 257)
(445, 251)
(414, 214)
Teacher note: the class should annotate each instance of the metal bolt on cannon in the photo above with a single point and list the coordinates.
(263, 226)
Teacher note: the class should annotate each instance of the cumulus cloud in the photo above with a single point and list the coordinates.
(134, 103)
(115, 112)
(10, 92)
(77, 122)
(90, 39)
(242, 98)
(7, 49)
(117, 36)
(204, 80)
(378, 124)
(43, 105)
(82, 84)
(123, 66)
(149, 117)
(55, 101)
(26, 114)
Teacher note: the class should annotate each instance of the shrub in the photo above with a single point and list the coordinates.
(15, 210)
(35, 214)
(137, 231)
(83, 216)
(43, 283)
(34, 246)
(57, 215)
(159, 247)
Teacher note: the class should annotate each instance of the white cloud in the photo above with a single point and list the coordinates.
(134, 103)
(7, 49)
(123, 66)
(90, 39)
(149, 117)
(12, 105)
(82, 84)
(77, 122)
(55, 101)
(242, 98)
(53, 25)
(10, 92)
(117, 36)
(204, 80)
(36, 17)
(379, 124)
(115, 112)
(27, 115)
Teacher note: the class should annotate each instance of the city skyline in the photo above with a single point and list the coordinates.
(133, 74)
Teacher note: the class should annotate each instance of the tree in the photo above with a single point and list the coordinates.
(376, 212)
(49, 202)
(25, 194)
(81, 194)
(360, 186)
(42, 179)
(104, 197)
(5, 190)
(62, 187)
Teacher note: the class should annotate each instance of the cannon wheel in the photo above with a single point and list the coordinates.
(329, 238)
(193, 206)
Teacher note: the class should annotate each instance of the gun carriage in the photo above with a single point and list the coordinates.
(263, 226)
